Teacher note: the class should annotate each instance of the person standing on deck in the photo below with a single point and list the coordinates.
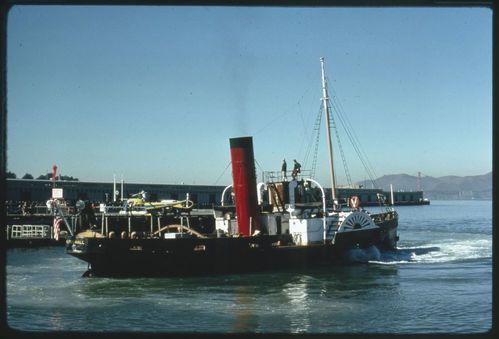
(296, 169)
(284, 169)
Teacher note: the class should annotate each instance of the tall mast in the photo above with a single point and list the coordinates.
(325, 99)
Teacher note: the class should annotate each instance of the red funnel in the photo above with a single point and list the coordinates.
(244, 184)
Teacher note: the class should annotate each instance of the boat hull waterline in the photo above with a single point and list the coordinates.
(224, 255)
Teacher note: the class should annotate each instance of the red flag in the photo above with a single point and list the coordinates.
(54, 171)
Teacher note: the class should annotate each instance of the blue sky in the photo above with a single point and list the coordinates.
(155, 93)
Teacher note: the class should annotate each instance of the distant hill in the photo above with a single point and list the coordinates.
(448, 187)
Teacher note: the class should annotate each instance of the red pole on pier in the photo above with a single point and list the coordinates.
(54, 172)
(244, 184)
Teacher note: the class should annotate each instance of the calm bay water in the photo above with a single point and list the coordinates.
(439, 281)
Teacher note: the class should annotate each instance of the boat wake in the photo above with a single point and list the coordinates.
(445, 252)
(405, 255)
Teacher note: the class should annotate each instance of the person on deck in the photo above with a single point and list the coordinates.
(296, 169)
(284, 169)
(88, 219)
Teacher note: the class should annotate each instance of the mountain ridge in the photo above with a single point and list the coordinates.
(445, 187)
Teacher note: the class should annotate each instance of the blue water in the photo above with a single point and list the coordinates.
(440, 281)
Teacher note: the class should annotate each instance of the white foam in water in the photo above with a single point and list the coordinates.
(460, 250)
(437, 253)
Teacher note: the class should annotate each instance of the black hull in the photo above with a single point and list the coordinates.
(207, 256)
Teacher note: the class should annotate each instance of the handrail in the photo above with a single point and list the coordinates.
(276, 176)
(180, 227)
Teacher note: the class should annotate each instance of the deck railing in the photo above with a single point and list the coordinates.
(29, 232)
(275, 176)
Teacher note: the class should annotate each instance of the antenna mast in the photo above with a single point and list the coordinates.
(325, 99)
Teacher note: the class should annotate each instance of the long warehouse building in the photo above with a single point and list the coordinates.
(33, 190)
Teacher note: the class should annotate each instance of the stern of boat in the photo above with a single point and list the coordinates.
(388, 224)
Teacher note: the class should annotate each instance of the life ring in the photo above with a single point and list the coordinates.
(354, 201)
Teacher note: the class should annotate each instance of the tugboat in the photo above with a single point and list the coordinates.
(291, 227)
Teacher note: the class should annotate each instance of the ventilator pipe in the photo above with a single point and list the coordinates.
(223, 194)
(323, 205)
(260, 191)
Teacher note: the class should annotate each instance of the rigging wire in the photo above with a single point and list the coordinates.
(345, 166)
(352, 137)
(216, 181)
(353, 133)
(314, 161)
(315, 136)
(356, 147)
(260, 167)
(369, 167)
(285, 111)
